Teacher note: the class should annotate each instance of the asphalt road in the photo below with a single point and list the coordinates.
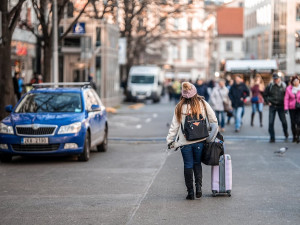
(138, 182)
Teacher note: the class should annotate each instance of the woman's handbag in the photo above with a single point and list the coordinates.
(226, 103)
(212, 151)
(297, 106)
(254, 99)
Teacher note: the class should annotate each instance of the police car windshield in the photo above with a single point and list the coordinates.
(50, 102)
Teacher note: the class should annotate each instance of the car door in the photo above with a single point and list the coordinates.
(93, 117)
(102, 117)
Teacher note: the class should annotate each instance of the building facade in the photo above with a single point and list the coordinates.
(90, 53)
(183, 49)
(272, 32)
(229, 40)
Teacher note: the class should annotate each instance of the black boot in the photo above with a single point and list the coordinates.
(298, 135)
(260, 119)
(252, 119)
(198, 179)
(188, 177)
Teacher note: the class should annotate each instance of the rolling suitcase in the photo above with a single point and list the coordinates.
(221, 176)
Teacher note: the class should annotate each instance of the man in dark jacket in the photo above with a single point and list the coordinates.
(274, 97)
(202, 89)
(237, 94)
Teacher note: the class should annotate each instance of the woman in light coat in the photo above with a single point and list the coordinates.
(218, 96)
(191, 104)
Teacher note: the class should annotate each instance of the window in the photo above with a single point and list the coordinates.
(176, 23)
(51, 103)
(70, 10)
(190, 53)
(298, 12)
(228, 46)
(175, 52)
(89, 100)
(297, 38)
(98, 36)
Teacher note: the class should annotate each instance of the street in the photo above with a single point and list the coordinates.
(138, 182)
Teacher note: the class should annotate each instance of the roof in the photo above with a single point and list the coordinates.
(246, 65)
(230, 21)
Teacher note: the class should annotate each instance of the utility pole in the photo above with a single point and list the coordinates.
(55, 44)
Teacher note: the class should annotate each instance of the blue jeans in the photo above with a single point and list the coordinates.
(257, 106)
(238, 117)
(192, 154)
(222, 114)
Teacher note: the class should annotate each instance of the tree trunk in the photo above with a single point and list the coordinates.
(6, 83)
(47, 62)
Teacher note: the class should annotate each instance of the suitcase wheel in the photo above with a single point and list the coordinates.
(214, 193)
(229, 193)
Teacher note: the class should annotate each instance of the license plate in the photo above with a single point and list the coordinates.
(28, 141)
(141, 96)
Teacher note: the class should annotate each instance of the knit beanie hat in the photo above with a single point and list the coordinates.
(188, 90)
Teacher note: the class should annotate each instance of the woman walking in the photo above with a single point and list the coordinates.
(257, 99)
(193, 105)
(218, 97)
(292, 103)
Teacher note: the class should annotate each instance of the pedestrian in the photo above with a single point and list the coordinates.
(16, 85)
(195, 105)
(238, 93)
(177, 90)
(291, 101)
(229, 113)
(35, 79)
(202, 89)
(257, 99)
(218, 97)
(170, 90)
(274, 97)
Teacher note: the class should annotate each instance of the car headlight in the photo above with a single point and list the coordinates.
(70, 129)
(4, 129)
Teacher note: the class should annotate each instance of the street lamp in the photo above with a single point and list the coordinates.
(217, 74)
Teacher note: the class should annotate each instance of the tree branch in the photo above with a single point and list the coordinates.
(14, 15)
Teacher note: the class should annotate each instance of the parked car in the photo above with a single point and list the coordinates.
(145, 82)
(55, 121)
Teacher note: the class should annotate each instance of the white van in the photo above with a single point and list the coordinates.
(145, 82)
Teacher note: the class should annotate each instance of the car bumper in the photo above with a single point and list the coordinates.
(56, 145)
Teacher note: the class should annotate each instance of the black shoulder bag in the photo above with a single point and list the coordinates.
(212, 150)
(194, 128)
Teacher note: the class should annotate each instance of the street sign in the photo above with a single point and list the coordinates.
(79, 28)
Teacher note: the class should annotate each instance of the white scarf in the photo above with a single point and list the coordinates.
(295, 89)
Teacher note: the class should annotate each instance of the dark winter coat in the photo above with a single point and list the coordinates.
(237, 94)
(16, 85)
(274, 94)
(202, 91)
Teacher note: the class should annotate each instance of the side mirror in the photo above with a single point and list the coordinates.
(9, 108)
(96, 108)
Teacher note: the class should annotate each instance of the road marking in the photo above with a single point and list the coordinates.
(139, 201)
(139, 126)
(148, 120)
(154, 115)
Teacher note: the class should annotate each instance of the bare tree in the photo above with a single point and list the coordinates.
(10, 18)
(136, 27)
(43, 11)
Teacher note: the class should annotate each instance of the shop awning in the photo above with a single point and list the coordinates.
(248, 65)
